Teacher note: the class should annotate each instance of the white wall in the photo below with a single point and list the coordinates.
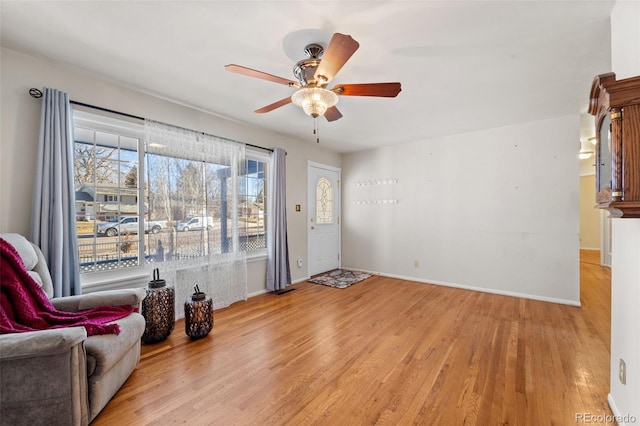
(625, 319)
(625, 39)
(20, 125)
(625, 268)
(495, 210)
(590, 216)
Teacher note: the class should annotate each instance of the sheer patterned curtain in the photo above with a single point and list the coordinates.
(194, 182)
(53, 217)
(278, 270)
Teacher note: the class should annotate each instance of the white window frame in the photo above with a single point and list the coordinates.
(134, 276)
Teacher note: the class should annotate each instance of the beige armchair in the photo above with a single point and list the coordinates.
(61, 376)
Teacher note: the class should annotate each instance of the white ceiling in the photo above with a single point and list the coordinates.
(464, 65)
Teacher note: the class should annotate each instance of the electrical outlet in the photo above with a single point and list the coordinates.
(622, 372)
(299, 262)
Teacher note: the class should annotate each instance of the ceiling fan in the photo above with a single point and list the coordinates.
(314, 74)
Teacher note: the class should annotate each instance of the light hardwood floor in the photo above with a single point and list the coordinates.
(384, 351)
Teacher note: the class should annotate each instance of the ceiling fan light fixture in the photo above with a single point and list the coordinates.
(314, 101)
(583, 155)
(586, 149)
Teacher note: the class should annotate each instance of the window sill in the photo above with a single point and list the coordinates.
(257, 255)
(136, 278)
(114, 280)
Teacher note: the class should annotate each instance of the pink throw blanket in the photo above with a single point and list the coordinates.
(24, 306)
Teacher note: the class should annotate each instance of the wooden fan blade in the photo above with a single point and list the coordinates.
(386, 90)
(332, 114)
(274, 105)
(338, 52)
(238, 69)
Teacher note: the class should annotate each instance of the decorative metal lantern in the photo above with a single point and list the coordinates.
(198, 314)
(158, 310)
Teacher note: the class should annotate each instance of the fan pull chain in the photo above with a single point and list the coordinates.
(316, 131)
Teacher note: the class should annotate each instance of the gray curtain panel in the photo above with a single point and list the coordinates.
(278, 271)
(53, 217)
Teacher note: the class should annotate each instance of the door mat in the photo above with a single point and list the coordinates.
(339, 278)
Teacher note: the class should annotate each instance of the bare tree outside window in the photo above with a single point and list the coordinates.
(94, 165)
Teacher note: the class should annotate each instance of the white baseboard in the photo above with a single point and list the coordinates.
(257, 293)
(473, 288)
(264, 290)
(299, 280)
(620, 419)
(612, 405)
(449, 284)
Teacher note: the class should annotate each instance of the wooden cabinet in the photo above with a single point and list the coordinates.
(616, 107)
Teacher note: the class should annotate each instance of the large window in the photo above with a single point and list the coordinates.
(179, 209)
(106, 168)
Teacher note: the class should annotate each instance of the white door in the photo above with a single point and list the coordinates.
(323, 218)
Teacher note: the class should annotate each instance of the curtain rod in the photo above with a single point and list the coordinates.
(37, 93)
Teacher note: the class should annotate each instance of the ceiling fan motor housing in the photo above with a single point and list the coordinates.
(305, 69)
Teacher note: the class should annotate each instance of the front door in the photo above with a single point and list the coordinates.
(323, 218)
